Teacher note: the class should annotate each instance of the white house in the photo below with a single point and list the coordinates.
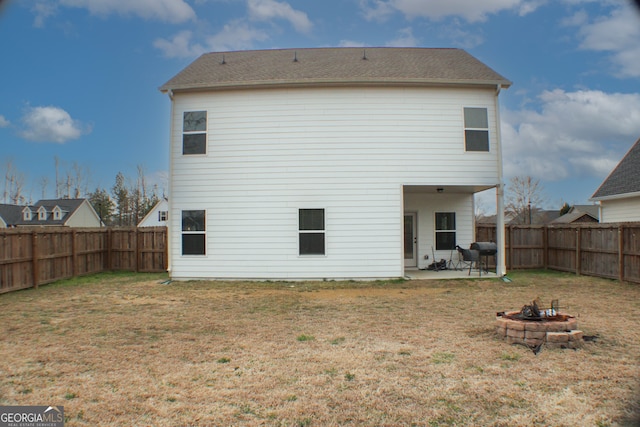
(329, 163)
(157, 216)
(619, 193)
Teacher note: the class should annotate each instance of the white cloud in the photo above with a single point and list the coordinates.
(266, 10)
(618, 33)
(405, 39)
(42, 10)
(471, 11)
(235, 36)
(175, 11)
(4, 122)
(51, 124)
(351, 43)
(179, 46)
(582, 133)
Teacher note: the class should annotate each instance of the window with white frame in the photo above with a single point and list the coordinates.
(193, 232)
(194, 132)
(57, 213)
(311, 231)
(26, 214)
(42, 213)
(445, 230)
(163, 216)
(476, 129)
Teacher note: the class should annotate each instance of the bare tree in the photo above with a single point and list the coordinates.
(524, 198)
(13, 185)
(44, 183)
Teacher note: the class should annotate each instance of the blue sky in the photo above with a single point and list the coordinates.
(79, 78)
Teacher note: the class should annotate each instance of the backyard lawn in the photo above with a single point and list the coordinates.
(129, 350)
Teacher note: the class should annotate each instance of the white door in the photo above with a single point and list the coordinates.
(410, 240)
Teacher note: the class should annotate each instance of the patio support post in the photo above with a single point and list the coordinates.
(501, 268)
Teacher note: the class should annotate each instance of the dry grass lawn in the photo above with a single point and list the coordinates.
(127, 350)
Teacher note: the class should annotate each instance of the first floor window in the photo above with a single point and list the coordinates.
(311, 231)
(193, 232)
(445, 230)
(476, 129)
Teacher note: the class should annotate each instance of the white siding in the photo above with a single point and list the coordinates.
(152, 219)
(620, 210)
(349, 151)
(84, 216)
(426, 206)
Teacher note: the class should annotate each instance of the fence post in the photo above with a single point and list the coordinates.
(108, 247)
(136, 250)
(74, 254)
(578, 254)
(621, 252)
(34, 259)
(510, 234)
(545, 247)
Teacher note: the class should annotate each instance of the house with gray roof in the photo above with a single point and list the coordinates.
(329, 163)
(50, 213)
(619, 193)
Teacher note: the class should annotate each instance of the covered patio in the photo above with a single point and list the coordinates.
(415, 274)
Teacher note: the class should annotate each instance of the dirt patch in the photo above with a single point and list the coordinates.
(132, 351)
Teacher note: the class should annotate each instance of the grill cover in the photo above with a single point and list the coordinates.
(485, 248)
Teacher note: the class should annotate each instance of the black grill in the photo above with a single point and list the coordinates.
(485, 248)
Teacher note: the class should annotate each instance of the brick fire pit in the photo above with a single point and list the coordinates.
(559, 331)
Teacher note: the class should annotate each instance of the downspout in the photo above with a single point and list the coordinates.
(171, 218)
(501, 267)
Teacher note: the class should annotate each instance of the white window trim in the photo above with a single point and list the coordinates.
(57, 213)
(323, 231)
(203, 232)
(27, 214)
(436, 231)
(198, 132)
(42, 213)
(465, 128)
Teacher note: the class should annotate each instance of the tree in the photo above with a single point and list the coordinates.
(13, 185)
(102, 204)
(524, 197)
(565, 209)
(120, 194)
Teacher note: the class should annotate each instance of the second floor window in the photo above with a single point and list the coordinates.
(476, 129)
(194, 132)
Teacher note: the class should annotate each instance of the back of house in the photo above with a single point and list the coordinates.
(334, 163)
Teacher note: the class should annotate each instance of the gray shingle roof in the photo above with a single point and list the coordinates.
(321, 66)
(625, 178)
(11, 214)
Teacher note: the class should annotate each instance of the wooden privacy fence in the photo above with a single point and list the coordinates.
(603, 250)
(33, 257)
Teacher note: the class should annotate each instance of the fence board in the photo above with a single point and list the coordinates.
(33, 257)
(603, 250)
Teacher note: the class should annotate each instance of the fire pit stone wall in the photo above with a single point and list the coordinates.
(553, 333)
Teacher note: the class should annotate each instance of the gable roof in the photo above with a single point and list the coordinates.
(11, 214)
(575, 216)
(325, 66)
(624, 179)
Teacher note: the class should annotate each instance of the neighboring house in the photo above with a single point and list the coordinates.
(157, 216)
(578, 214)
(329, 163)
(619, 194)
(10, 215)
(51, 213)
